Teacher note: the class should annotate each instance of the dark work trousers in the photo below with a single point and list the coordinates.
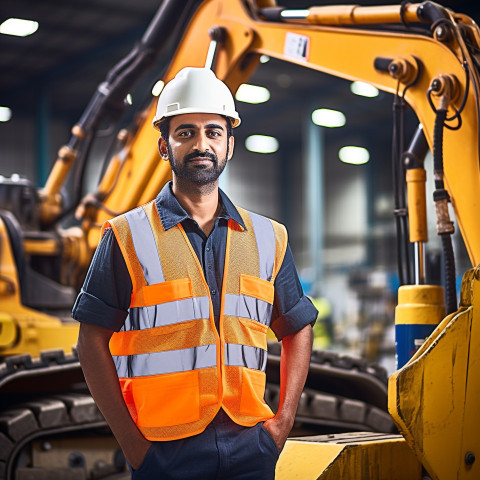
(224, 451)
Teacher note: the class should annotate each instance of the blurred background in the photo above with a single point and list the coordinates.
(313, 152)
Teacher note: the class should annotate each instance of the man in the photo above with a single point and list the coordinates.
(176, 305)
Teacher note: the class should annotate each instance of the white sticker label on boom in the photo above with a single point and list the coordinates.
(296, 46)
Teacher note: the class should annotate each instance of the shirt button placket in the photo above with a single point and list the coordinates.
(209, 262)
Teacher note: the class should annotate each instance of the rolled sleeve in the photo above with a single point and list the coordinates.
(90, 309)
(105, 296)
(292, 310)
(298, 317)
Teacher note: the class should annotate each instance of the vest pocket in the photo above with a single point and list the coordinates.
(166, 400)
(253, 391)
(257, 288)
(162, 292)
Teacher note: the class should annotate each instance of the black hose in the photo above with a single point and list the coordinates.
(400, 210)
(441, 116)
(441, 194)
(108, 99)
(450, 280)
(401, 189)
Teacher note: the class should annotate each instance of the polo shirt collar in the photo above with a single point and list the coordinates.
(172, 213)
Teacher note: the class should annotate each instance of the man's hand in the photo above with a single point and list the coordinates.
(102, 380)
(279, 430)
(294, 363)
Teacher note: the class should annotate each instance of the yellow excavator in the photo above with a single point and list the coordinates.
(428, 57)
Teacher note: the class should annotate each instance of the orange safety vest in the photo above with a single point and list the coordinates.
(175, 370)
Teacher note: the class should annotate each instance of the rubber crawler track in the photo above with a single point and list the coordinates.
(342, 394)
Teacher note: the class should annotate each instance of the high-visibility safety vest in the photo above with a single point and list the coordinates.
(175, 369)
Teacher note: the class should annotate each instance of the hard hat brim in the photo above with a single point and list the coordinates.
(235, 121)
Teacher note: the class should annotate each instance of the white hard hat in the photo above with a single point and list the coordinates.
(196, 90)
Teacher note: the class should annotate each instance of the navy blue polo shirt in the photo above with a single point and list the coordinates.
(105, 296)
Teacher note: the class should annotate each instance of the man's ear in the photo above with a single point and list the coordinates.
(162, 148)
(231, 145)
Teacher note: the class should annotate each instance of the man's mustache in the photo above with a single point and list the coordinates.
(197, 154)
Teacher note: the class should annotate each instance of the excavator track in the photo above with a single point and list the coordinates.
(39, 424)
(48, 435)
(341, 394)
(62, 434)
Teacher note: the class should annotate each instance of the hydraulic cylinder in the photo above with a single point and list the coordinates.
(420, 309)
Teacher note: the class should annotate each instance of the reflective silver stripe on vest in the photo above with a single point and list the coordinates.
(245, 356)
(145, 246)
(194, 308)
(165, 362)
(265, 237)
(248, 307)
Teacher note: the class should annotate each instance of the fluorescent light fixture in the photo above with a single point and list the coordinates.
(294, 13)
(364, 89)
(264, 58)
(261, 144)
(5, 114)
(324, 117)
(18, 27)
(354, 155)
(157, 88)
(252, 94)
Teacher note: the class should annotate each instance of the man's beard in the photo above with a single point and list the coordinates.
(200, 175)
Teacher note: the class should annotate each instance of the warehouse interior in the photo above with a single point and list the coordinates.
(341, 231)
(338, 210)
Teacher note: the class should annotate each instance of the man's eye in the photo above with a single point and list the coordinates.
(185, 133)
(214, 133)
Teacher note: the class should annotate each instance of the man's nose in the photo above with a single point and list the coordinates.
(202, 142)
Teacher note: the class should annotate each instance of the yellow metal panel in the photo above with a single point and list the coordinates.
(36, 331)
(8, 330)
(371, 456)
(471, 414)
(305, 460)
(434, 398)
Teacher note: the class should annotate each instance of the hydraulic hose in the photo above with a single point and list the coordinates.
(440, 118)
(450, 280)
(444, 225)
(400, 210)
(108, 100)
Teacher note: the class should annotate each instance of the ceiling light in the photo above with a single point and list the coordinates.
(5, 114)
(264, 58)
(354, 155)
(294, 14)
(157, 88)
(364, 89)
(252, 94)
(18, 27)
(328, 118)
(261, 144)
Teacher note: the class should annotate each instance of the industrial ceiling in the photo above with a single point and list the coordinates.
(78, 41)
